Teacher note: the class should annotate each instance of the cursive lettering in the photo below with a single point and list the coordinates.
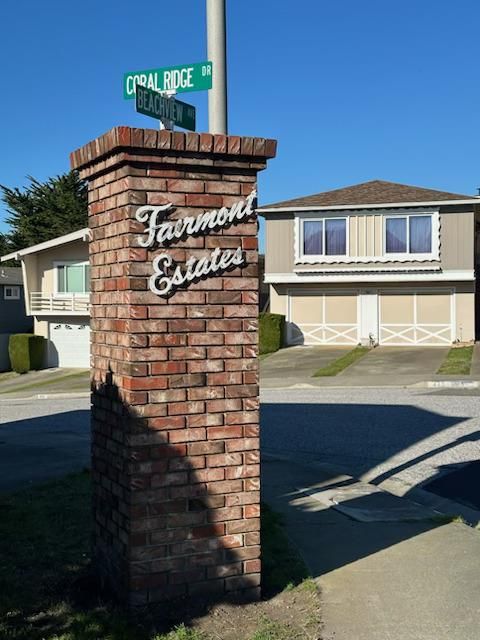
(164, 283)
(164, 233)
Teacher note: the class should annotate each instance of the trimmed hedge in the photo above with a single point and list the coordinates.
(271, 329)
(26, 352)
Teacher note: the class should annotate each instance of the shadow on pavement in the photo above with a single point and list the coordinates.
(42, 448)
(375, 441)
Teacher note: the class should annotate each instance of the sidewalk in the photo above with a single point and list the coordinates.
(387, 568)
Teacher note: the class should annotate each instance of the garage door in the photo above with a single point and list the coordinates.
(323, 318)
(416, 317)
(69, 344)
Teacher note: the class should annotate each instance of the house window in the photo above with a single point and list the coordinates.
(408, 234)
(325, 237)
(11, 293)
(73, 277)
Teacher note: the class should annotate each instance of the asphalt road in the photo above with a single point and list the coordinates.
(408, 436)
(401, 435)
(42, 439)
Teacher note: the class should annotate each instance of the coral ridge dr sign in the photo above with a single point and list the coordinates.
(186, 77)
(168, 277)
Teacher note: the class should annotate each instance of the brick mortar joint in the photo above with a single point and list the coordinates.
(123, 139)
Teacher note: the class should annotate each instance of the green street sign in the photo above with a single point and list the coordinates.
(153, 104)
(184, 77)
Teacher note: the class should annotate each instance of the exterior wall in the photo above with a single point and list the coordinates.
(365, 236)
(175, 425)
(465, 315)
(278, 300)
(73, 251)
(4, 357)
(12, 314)
(40, 328)
(30, 278)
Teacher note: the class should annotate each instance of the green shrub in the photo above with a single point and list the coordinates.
(26, 352)
(271, 329)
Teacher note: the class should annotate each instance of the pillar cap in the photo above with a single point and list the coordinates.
(121, 139)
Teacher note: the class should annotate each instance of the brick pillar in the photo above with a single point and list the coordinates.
(175, 453)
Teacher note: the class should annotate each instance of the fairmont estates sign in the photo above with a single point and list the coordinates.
(167, 277)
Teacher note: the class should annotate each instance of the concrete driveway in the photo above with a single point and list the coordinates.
(394, 366)
(382, 367)
(296, 365)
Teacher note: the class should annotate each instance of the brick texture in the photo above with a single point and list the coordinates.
(175, 452)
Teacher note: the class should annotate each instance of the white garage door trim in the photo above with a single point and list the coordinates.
(431, 334)
(341, 333)
(74, 352)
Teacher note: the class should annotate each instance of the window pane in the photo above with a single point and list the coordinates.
(420, 234)
(74, 278)
(335, 237)
(312, 237)
(396, 235)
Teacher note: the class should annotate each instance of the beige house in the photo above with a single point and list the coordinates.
(377, 262)
(56, 283)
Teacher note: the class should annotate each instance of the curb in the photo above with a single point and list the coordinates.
(450, 384)
(46, 396)
(427, 384)
(398, 488)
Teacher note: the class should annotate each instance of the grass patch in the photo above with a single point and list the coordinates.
(262, 356)
(338, 365)
(271, 630)
(457, 362)
(282, 567)
(445, 518)
(48, 591)
(70, 377)
(8, 375)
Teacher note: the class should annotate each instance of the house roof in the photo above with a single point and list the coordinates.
(11, 275)
(372, 193)
(81, 234)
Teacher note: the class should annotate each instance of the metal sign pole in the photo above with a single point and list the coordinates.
(217, 54)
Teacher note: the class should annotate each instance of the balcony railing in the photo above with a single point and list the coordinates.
(59, 303)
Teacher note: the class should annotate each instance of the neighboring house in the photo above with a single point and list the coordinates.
(56, 281)
(12, 310)
(375, 262)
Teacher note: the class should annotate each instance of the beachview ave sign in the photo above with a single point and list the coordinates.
(153, 104)
(186, 77)
(167, 276)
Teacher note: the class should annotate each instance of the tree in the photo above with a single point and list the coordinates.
(44, 210)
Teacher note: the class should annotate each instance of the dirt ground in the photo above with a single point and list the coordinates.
(293, 614)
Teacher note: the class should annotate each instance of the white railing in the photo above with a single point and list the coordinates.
(59, 303)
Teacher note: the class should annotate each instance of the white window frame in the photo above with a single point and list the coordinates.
(67, 263)
(321, 257)
(407, 255)
(14, 292)
(382, 257)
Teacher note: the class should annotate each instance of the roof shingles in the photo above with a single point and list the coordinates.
(372, 192)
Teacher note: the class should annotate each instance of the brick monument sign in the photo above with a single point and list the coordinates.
(174, 307)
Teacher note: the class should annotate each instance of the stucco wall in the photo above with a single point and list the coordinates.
(73, 251)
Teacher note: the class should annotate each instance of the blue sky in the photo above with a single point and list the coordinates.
(352, 90)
